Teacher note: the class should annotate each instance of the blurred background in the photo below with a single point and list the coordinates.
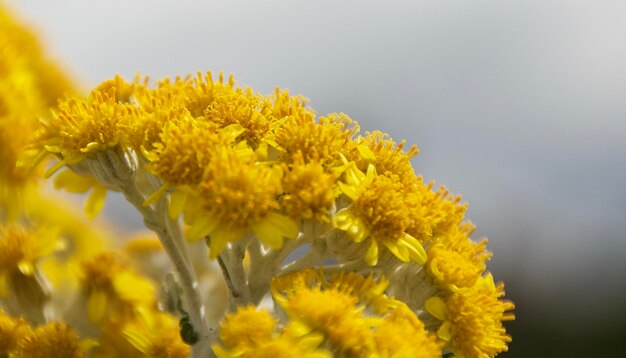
(518, 106)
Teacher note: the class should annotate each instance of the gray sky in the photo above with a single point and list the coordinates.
(517, 106)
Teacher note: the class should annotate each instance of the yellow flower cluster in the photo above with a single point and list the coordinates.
(253, 198)
(29, 84)
(53, 272)
(55, 339)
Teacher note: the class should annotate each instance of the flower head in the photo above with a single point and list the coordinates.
(113, 288)
(249, 332)
(154, 334)
(310, 191)
(378, 211)
(238, 196)
(54, 340)
(472, 319)
(402, 334)
(454, 260)
(387, 157)
(21, 249)
(82, 126)
(185, 149)
(11, 331)
(341, 319)
(316, 141)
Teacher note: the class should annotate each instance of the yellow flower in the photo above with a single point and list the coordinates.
(185, 149)
(200, 91)
(286, 106)
(341, 319)
(472, 319)
(379, 211)
(310, 192)
(54, 340)
(321, 142)
(29, 84)
(243, 107)
(22, 51)
(454, 260)
(11, 331)
(247, 328)
(402, 335)
(237, 197)
(435, 213)
(81, 126)
(387, 157)
(249, 332)
(21, 250)
(155, 335)
(113, 288)
(74, 183)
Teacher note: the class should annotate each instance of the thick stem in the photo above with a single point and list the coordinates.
(170, 236)
(308, 260)
(264, 266)
(231, 263)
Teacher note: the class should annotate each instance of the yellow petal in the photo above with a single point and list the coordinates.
(349, 190)
(86, 344)
(401, 252)
(232, 131)
(445, 331)
(72, 182)
(416, 249)
(201, 227)
(138, 339)
(96, 306)
(95, 201)
(133, 288)
(154, 197)
(371, 171)
(354, 176)
(371, 257)
(26, 267)
(298, 329)
(343, 219)
(365, 152)
(53, 169)
(274, 228)
(220, 237)
(436, 307)
(177, 203)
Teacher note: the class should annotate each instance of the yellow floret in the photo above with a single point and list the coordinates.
(379, 211)
(247, 328)
(321, 142)
(472, 319)
(310, 192)
(54, 340)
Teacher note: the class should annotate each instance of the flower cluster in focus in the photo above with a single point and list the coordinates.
(275, 232)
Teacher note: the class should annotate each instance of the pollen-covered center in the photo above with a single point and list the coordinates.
(83, 125)
(381, 203)
(51, 341)
(239, 192)
(100, 270)
(316, 141)
(184, 151)
(310, 192)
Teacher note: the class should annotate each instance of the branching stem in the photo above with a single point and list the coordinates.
(170, 236)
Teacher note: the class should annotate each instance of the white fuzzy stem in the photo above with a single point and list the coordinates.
(170, 236)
